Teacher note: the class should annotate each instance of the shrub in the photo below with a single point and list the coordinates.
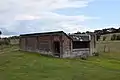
(95, 54)
(118, 37)
(114, 37)
(84, 56)
(104, 38)
(5, 41)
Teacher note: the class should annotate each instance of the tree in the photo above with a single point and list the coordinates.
(118, 29)
(83, 33)
(78, 32)
(98, 36)
(105, 31)
(0, 33)
(104, 38)
(88, 32)
(118, 37)
(114, 37)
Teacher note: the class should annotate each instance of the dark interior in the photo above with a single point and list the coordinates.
(57, 47)
(81, 44)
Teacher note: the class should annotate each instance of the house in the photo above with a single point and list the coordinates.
(58, 44)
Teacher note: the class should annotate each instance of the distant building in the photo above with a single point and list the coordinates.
(59, 44)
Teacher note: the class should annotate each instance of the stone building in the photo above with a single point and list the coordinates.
(58, 44)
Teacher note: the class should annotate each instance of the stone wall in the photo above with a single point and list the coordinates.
(92, 44)
(44, 44)
(79, 52)
(67, 47)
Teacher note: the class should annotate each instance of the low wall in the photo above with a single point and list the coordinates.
(79, 52)
(67, 54)
(76, 53)
(43, 52)
(108, 46)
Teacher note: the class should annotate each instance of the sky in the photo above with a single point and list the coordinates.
(34, 16)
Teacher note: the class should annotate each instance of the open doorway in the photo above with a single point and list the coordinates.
(57, 47)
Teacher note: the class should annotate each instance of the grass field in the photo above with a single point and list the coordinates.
(18, 65)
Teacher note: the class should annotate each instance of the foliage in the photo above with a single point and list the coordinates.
(95, 54)
(106, 31)
(118, 37)
(14, 37)
(98, 37)
(114, 37)
(0, 32)
(102, 32)
(84, 56)
(104, 38)
(4, 41)
(78, 32)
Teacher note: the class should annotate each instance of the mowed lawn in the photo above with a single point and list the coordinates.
(18, 65)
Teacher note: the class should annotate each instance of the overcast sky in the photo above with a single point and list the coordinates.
(28, 16)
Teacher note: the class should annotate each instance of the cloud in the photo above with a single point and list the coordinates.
(25, 16)
(109, 26)
(6, 32)
(51, 22)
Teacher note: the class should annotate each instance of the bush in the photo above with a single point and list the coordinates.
(114, 37)
(104, 38)
(95, 54)
(118, 37)
(84, 56)
(5, 42)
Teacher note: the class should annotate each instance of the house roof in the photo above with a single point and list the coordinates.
(46, 33)
(80, 37)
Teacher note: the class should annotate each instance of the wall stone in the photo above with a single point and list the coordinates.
(79, 52)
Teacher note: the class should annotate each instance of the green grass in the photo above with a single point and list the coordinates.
(18, 65)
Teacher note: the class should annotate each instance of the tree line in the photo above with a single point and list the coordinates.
(103, 32)
(6, 40)
(108, 31)
(97, 32)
